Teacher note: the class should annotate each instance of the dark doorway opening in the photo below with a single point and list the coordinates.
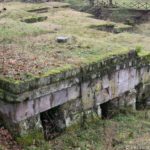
(104, 110)
(53, 122)
(110, 109)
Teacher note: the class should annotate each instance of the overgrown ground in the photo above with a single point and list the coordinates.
(143, 29)
(27, 49)
(128, 130)
(31, 49)
(124, 131)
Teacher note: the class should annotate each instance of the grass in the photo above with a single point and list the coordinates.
(112, 27)
(125, 130)
(78, 4)
(143, 29)
(16, 29)
(36, 42)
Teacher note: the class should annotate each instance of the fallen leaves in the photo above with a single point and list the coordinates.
(6, 140)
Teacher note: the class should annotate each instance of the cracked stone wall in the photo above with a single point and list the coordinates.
(122, 84)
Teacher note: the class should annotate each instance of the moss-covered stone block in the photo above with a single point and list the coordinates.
(123, 28)
(39, 10)
(34, 19)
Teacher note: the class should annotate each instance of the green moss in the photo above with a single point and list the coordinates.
(144, 54)
(123, 28)
(29, 139)
(106, 26)
(34, 19)
(8, 96)
(35, 140)
(112, 27)
(16, 86)
(1, 94)
(91, 64)
(58, 70)
(138, 49)
(55, 61)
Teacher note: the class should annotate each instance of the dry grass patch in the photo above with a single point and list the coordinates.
(38, 40)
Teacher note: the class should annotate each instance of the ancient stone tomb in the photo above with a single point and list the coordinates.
(56, 101)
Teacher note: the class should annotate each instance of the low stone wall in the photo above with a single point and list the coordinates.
(78, 93)
(128, 16)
